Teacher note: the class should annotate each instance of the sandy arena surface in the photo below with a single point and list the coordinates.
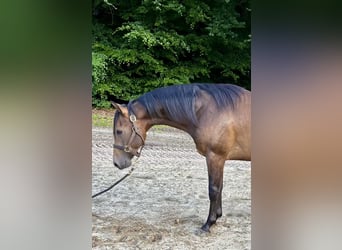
(163, 204)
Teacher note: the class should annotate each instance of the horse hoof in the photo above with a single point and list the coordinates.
(205, 228)
(200, 232)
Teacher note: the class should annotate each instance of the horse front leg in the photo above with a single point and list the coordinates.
(215, 164)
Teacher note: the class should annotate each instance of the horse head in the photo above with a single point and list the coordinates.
(129, 136)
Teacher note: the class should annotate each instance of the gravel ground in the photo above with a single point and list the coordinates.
(163, 204)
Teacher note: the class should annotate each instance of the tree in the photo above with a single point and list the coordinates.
(142, 45)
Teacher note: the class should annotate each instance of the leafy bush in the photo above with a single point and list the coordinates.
(142, 45)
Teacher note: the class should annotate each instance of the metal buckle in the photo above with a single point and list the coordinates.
(132, 118)
(126, 149)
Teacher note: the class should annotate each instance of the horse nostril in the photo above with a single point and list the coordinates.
(116, 165)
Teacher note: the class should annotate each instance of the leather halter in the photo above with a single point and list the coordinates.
(127, 148)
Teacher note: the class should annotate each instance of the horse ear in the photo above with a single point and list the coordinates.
(123, 110)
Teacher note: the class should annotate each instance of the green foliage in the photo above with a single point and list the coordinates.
(142, 45)
(102, 120)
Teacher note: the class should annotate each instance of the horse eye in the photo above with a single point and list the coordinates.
(118, 132)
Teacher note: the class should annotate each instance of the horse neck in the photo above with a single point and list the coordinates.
(148, 121)
(165, 121)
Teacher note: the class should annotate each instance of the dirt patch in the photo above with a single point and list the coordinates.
(164, 202)
(104, 112)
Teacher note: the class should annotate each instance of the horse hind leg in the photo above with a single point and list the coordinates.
(215, 173)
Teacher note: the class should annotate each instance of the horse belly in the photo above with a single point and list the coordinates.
(239, 154)
(238, 147)
(233, 142)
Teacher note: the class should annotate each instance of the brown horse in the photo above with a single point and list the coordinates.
(217, 117)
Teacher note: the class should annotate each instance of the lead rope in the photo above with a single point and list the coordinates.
(117, 182)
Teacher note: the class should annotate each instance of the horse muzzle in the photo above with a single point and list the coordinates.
(122, 164)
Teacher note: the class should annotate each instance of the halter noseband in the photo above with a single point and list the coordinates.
(127, 148)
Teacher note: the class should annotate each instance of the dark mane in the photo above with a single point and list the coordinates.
(177, 102)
